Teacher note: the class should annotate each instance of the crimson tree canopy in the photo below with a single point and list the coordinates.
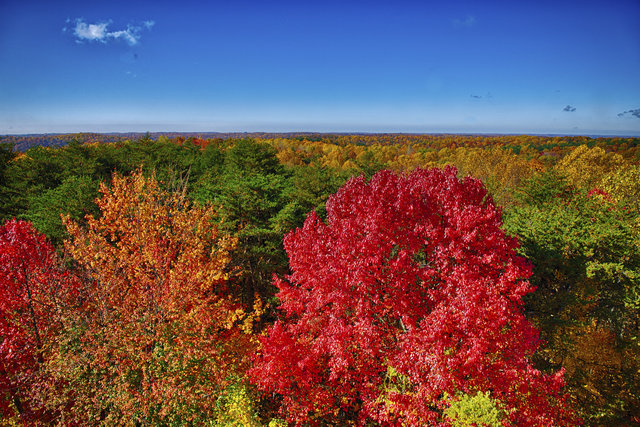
(32, 290)
(405, 300)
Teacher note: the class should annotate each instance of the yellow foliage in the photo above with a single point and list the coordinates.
(235, 407)
(586, 167)
(501, 170)
(624, 186)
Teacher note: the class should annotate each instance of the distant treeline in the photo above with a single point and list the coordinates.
(24, 142)
(538, 142)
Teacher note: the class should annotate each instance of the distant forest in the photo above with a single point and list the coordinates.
(24, 142)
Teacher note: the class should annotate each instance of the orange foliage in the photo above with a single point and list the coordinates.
(159, 334)
(605, 369)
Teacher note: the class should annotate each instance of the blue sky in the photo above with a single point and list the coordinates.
(398, 66)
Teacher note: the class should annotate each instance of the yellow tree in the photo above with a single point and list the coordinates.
(623, 185)
(159, 339)
(501, 170)
(585, 167)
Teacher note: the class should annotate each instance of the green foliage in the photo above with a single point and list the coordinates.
(74, 197)
(250, 194)
(6, 156)
(368, 164)
(542, 188)
(248, 156)
(41, 169)
(623, 186)
(586, 258)
(474, 410)
(582, 248)
(310, 188)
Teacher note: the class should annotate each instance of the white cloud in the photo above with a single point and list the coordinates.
(468, 21)
(100, 32)
(126, 35)
(91, 31)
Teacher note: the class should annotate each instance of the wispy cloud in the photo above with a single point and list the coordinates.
(569, 109)
(100, 32)
(468, 21)
(487, 96)
(635, 113)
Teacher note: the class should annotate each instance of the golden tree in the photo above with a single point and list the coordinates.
(159, 339)
(586, 167)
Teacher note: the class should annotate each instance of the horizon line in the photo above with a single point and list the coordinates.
(593, 134)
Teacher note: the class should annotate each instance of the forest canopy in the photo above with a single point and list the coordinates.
(468, 279)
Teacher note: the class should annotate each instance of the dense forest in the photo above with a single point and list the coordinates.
(316, 279)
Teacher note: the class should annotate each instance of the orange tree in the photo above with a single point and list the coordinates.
(404, 307)
(158, 339)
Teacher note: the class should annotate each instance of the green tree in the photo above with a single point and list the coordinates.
(75, 197)
(6, 157)
(250, 194)
(587, 276)
(310, 188)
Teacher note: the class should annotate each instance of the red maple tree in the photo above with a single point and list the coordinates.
(406, 299)
(33, 288)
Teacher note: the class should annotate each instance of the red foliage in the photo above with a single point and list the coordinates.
(599, 192)
(409, 294)
(199, 142)
(31, 286)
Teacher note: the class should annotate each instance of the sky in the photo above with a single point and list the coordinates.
(532, 67)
